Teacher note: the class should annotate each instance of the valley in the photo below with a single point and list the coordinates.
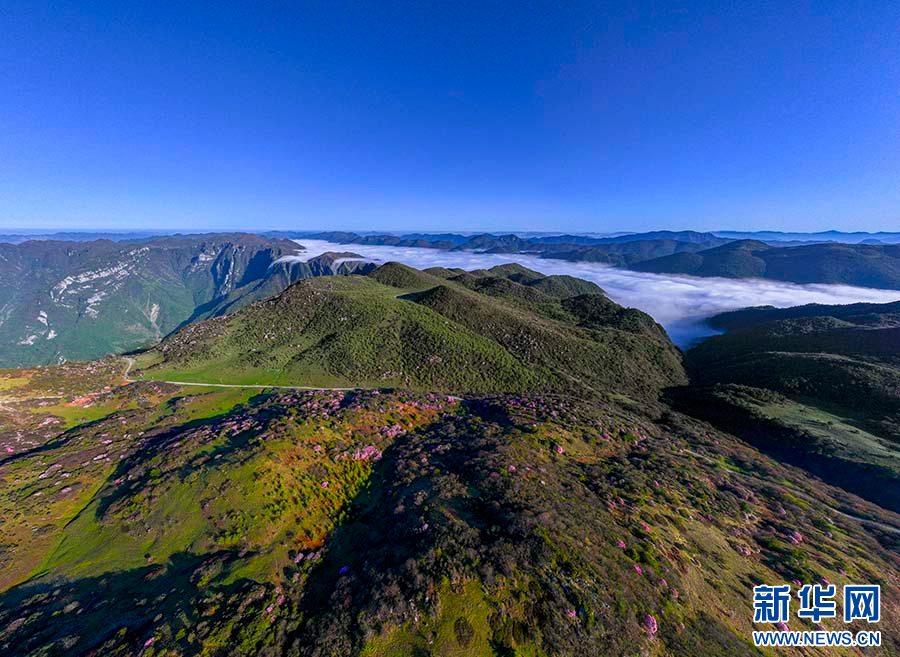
(87, 299)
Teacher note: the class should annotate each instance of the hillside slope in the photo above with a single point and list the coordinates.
(148, 519)
(401, 327)
(818, 385)
(81, 300)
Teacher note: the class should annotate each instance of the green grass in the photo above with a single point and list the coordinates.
(199, 535)
(835, 433)
(73, 415)
(420, 332)
(357, 333)
(461, 629)
(10, 382)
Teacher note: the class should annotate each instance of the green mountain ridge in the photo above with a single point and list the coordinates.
(400, 326)
(862, 265)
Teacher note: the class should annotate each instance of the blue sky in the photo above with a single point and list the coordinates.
(450, 115)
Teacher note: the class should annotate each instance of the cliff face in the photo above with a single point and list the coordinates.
(81, 300)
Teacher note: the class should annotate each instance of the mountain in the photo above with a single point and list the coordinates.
(741, 259)
(864, 265)
(82, 236)
(619, 250)
(817, 385)
(501, 330)
(512, 243)
(485, 241)
(775, 237)
(280, 274)
(82, 300)
(621, 254)
(872, 260)
(690, 236)
(146, 518)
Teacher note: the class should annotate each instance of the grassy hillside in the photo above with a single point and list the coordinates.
(179, 521)
(472, 332)
(818, 385)
(740, 259)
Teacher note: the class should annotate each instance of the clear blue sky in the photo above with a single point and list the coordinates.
(450, 115)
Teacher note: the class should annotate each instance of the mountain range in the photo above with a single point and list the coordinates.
(681, 252)
(506, 329)
(73, 300)
(81, 300)
(862, 265)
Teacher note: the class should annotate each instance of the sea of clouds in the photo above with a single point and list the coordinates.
(680, 303)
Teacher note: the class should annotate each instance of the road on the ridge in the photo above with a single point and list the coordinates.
(130, 363)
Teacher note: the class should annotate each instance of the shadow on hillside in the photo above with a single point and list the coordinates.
(385, 561)
(61, 440)
(876, 484)
(135, 476)
(124, 609)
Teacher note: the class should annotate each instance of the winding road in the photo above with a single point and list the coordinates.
(130, 363)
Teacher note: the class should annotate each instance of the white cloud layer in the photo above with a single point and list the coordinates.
(680, 303)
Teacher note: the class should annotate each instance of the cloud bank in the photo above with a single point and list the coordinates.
(679, 303)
